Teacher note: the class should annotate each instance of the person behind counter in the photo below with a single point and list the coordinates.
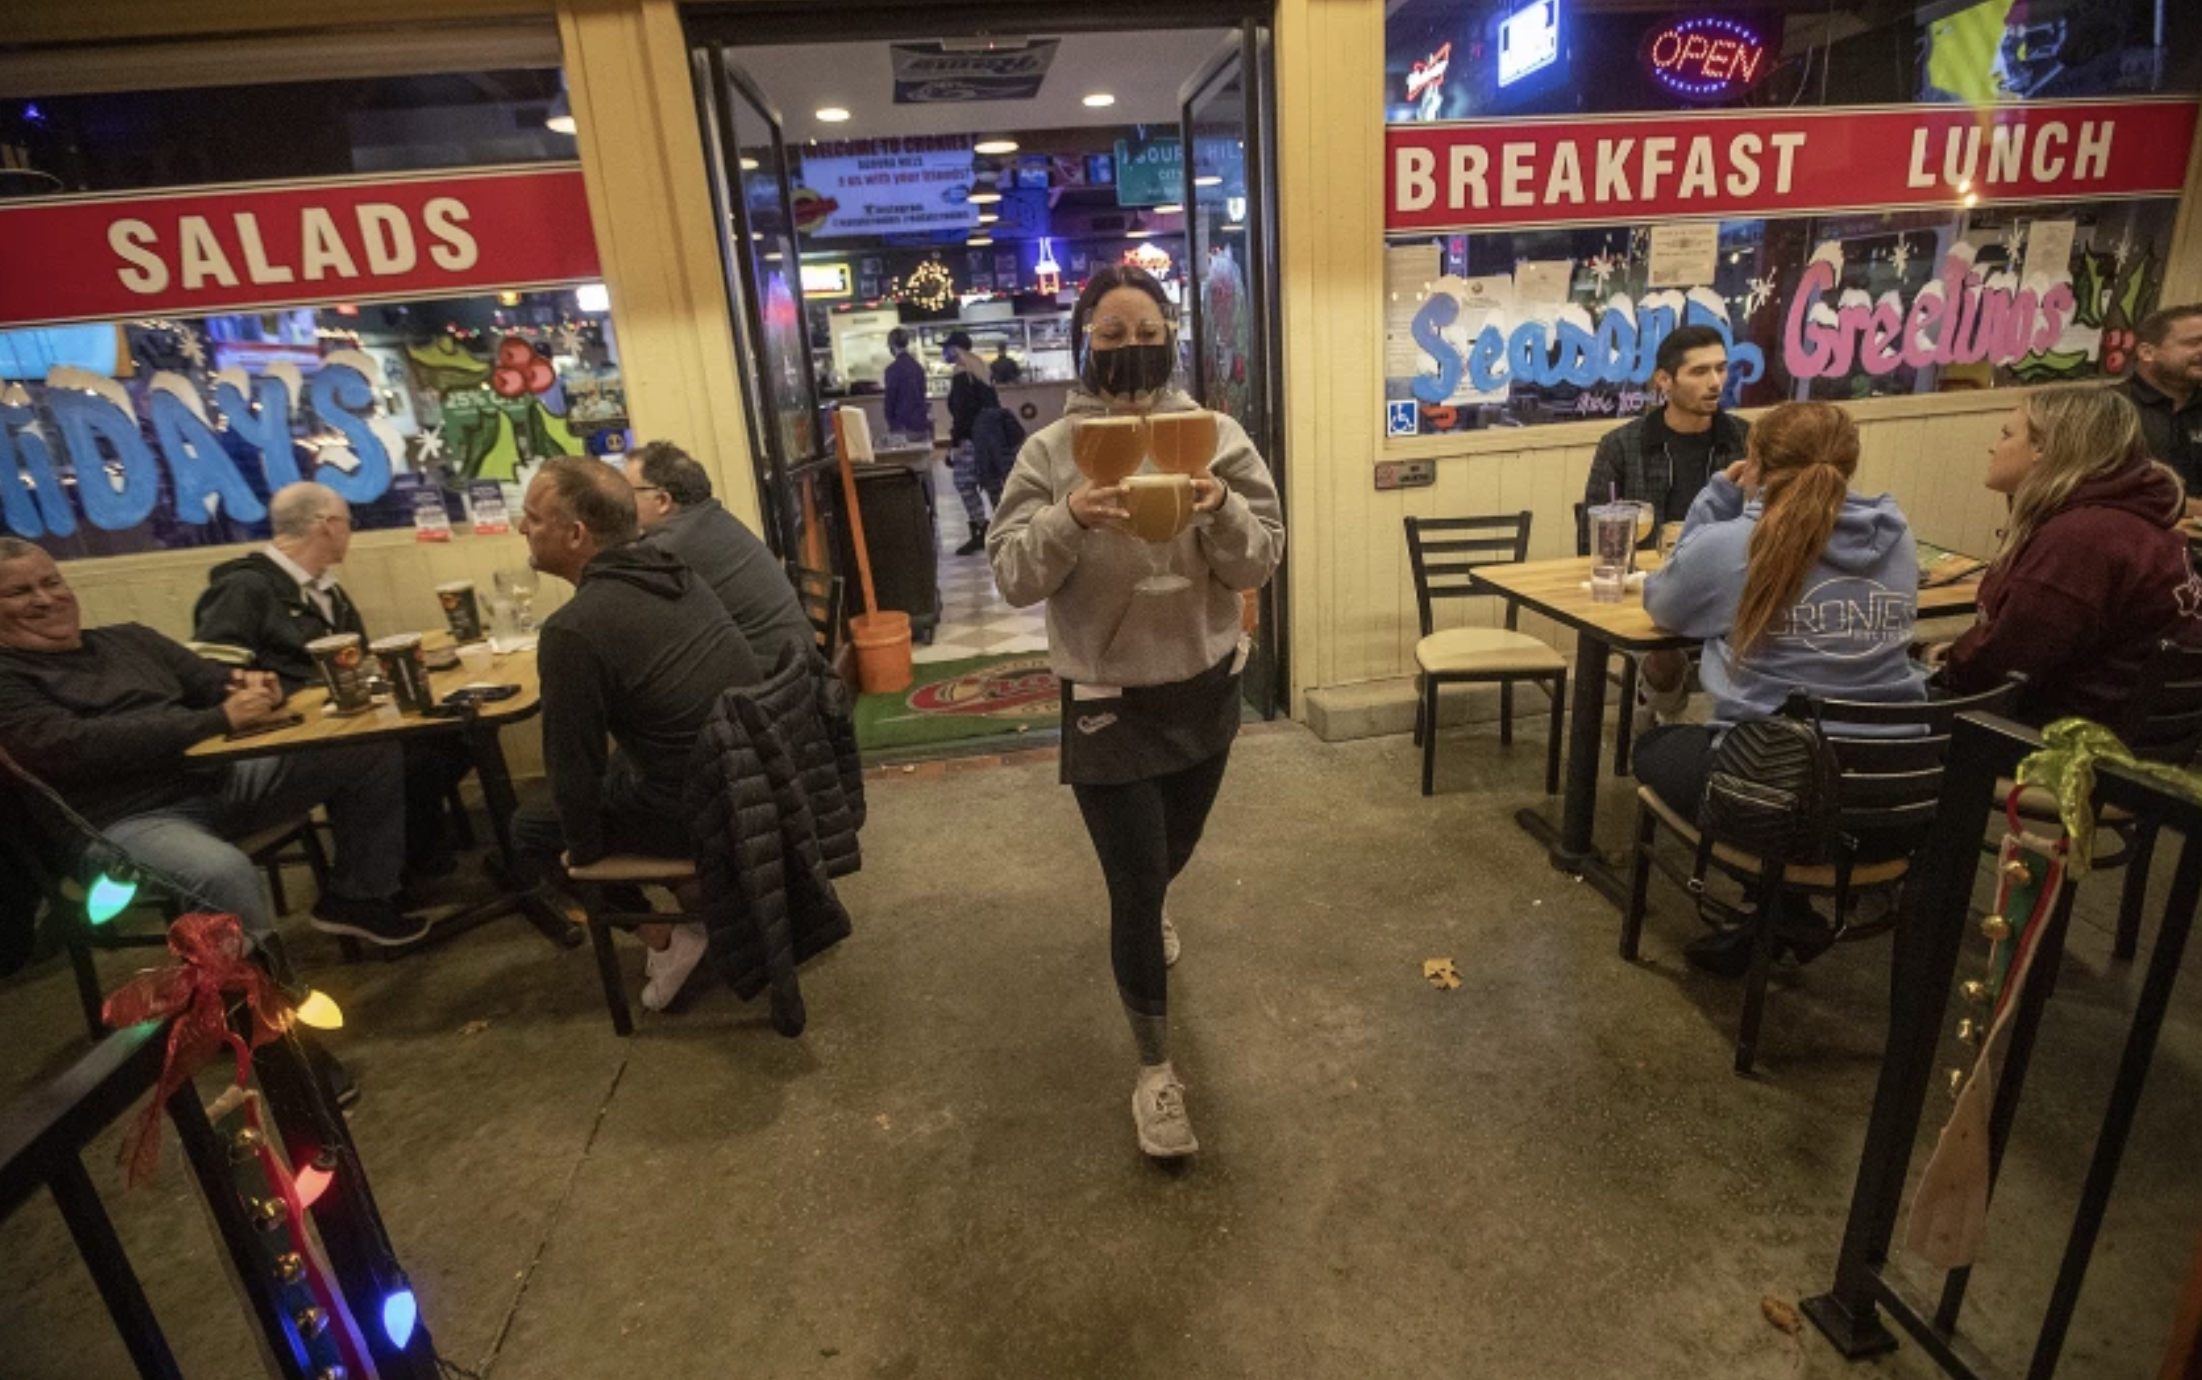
(2092, 573)
(906, 412)
(1150, 681)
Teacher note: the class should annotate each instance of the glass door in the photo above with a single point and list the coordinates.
(750, 177)
(1228, 116)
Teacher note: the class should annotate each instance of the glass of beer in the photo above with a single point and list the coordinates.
(1183, 442)
(1107, 450)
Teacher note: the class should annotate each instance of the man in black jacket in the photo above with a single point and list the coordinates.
(2166, 388)
(104, 716)
(1664, 458)
(640, 655)
(673, 502)
(283, 596)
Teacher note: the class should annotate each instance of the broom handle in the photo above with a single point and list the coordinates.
(856, 517)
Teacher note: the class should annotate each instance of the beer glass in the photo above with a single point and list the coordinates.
(1107, 450)
(1183, 442)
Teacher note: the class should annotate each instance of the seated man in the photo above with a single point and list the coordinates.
(104, 716)
(674, 504)
(276, 600)
(641, 654)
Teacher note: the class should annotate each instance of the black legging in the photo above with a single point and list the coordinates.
(1145, 833)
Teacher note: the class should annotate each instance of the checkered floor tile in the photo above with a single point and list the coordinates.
(974, 620)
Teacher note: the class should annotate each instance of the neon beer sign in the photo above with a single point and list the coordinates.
(1704, 58)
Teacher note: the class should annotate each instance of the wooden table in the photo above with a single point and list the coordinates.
(1560, 590)
(383, 724)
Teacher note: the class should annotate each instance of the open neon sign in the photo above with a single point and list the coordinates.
(1704, 58)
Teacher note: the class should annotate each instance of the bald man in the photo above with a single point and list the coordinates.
(283, 596)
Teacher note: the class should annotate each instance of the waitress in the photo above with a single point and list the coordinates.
(1150, 680)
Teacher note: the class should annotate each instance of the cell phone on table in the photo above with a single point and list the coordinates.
(455, 704)
(266, 726)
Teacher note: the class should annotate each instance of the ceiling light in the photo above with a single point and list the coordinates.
(750, 165)
(1140, 234)
(994, 146)
(559, 119)
(984, 198)
(1099, 100)
(979, 241)
(1170, 208)
(833, 114)
(592, 297)
(986, 219)
(1208, 180)
(1234, 226)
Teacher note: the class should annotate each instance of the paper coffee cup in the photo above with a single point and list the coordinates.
(1160, 505)
(461, 610)
(404, 668)
(343, 664)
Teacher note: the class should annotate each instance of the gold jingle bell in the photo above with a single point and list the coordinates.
(2017, 872)
(1957, 1082)
(289, 1268)
(1996, 928)
(312, 1322)
(1975, 992)
(1968, 1030)
(245, 1144)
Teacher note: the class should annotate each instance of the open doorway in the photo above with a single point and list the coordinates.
(936, 188)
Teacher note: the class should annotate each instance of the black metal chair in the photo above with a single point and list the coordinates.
(1889, 785)
(2162, 723)
(821, 597)
(1445, 553)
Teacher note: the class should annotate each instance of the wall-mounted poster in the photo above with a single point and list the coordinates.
(887, 186)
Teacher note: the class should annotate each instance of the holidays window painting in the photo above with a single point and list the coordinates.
(1785, 178)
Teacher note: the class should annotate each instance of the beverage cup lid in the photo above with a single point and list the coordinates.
(1624, 511)
(395, 642)
(454, 585)
(333, 642)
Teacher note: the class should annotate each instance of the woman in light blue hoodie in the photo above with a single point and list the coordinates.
(1793, 582)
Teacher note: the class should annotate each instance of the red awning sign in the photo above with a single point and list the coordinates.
(252, 247)
(1731, 164)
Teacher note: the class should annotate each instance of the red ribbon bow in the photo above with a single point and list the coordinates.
(196, 994)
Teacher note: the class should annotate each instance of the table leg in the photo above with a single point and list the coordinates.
(498, 797)
(1573, 845)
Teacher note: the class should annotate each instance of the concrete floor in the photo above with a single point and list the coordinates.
(1549, 1172)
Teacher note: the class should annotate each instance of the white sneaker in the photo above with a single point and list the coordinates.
(667, 969)
(1170, 943)
(1158, 1110)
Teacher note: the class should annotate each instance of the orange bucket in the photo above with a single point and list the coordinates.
(882, 642)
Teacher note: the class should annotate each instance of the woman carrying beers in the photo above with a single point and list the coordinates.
(1149, 672)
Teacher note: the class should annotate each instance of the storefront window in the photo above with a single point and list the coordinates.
(395, 298)
(1971, 195)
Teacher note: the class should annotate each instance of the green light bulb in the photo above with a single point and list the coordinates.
(109, 898)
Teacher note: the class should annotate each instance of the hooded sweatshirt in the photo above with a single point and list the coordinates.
(641, 653)
(1848, 636)
(1100, 631)
(2079, 608)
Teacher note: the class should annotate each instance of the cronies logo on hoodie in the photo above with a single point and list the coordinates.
(1846, 617)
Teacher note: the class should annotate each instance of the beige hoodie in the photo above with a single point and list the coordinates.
(1101, 632)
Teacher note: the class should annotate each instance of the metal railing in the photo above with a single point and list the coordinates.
(1935, 924)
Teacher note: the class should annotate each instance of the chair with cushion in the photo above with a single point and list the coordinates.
(1891, 783)
(2162, 723)
(599, 886)
(1444, 553)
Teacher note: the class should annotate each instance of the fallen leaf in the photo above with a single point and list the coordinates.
(1781, 1313)
(1441, 973)
(473, 1027)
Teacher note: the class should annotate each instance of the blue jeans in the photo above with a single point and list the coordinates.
(363, 788)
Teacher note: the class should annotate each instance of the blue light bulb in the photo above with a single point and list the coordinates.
(399, 1313)
(109, 898)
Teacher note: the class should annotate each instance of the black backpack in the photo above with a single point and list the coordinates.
(1772, 790)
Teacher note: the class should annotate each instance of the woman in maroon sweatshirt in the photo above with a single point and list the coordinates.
(2091, 574)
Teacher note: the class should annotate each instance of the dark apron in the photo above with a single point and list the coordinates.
(1149, 730)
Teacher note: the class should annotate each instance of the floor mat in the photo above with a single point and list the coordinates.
(975, 697)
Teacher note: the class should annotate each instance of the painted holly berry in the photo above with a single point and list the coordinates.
(2117, 344)
(520, 369)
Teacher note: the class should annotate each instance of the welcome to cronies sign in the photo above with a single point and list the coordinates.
(253, 247)
(1521, 174)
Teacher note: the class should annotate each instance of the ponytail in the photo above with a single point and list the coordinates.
(1806, 453)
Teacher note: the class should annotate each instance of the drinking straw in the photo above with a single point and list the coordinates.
(1613, 491)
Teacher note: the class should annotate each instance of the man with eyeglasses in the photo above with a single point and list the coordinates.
(275, 601)
(673, 503)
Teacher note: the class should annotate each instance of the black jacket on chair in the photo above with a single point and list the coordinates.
(252, 602)
(775, 798)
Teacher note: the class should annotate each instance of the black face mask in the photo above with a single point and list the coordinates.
(1129, 369)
